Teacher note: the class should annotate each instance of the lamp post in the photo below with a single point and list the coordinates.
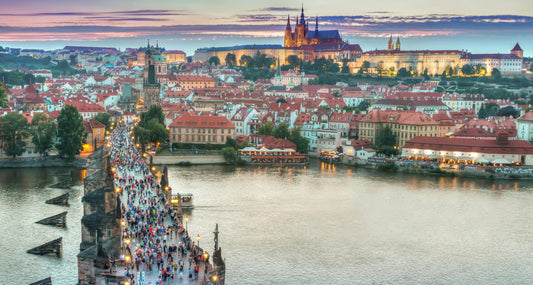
(198, 239)
(214, 278)
(187, 224)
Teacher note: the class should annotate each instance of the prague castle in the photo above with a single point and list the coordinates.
(307, 45)
(302, 36)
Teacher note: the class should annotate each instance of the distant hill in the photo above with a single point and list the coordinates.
(28, 62)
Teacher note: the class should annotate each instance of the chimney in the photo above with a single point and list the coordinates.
(502, 138)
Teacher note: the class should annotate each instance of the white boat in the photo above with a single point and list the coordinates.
(182, 199)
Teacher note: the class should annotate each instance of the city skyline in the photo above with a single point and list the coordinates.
(480, 26)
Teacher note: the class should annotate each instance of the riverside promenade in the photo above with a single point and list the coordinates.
(156, 248)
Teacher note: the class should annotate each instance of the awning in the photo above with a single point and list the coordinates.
(501, 161)
(483, 160)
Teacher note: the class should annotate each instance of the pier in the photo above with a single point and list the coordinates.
(131, 234)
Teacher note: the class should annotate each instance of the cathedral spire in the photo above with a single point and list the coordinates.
(302, 17)
(398, 43)
(288, 23)
(316, 27)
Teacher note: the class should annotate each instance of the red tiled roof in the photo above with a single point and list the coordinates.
(192, 121)
(469, 145)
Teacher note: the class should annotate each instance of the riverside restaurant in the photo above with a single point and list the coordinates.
(273, 156)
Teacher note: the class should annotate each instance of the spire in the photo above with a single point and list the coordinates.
(390, 46)
(398, 43)
(302, 17)
(296, 20)
(279, 69)
(288, 23)
(316, 27)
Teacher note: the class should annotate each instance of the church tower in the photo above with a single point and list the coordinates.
(517, 50)
(398, 43)
(390, 46)
(288, 34)
(151, 87)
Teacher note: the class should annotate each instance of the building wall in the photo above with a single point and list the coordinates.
(200, 135)
(435, 63)
(403, 132)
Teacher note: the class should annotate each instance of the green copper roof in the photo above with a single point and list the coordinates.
(158, 57)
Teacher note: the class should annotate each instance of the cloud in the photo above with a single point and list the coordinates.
(117, 19)
(126, 12)
(279, 9)
(257, 18)
(379, 12)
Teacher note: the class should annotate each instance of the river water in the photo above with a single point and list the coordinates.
(316, 225)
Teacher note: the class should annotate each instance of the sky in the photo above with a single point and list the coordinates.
(479, 26)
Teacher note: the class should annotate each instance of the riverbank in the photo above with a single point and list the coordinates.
(442, 169)
(50, 161)
(187, 159)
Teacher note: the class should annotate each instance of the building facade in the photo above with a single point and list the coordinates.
(189, 128)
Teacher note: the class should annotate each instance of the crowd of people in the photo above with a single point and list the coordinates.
(157, 249)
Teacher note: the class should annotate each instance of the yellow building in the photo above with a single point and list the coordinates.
(189, 128)
(389, 61)
(404, 125)
(174, 56)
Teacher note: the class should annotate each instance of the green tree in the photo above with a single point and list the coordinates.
(73, 59)
(231, 142)
(364, 67)
(468, 69)
(247, 61)
(155, 112)
(379, 68)
(158, 132)
(71, 133)
(302, 143)
(294, 61)
(12, 131)
(402, 72)
(42, 130)
(282, 131)
(266, 129)
(104, 118)
(214, 60)
(363, 106)
(229, 154)
(492, 109)
(386, 140)
(345, 68)
(509, 111)
(426, 76)
(3, 96)
(496, 74)
(151, 128)
(230, 59)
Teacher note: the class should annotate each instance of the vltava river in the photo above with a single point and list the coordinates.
(327, 225)
(314, 225)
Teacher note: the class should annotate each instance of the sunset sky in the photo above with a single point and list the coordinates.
(481, 26)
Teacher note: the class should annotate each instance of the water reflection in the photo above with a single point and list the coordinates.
(300, 222)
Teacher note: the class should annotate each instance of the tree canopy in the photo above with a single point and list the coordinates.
(151, 128)
(12, 131)
(230, 59)
(104, 118)
(282, 131)
(42, 130)
(266, 129)
(386, 141)
(3, 96)
(214, 60)
(71, 133)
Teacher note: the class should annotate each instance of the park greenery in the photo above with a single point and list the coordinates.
(42, 130)
(3, 96)
(151, 128)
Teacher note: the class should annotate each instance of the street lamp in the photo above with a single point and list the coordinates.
(206, 256)
(198, 239)
(214, 278)
(186, 224)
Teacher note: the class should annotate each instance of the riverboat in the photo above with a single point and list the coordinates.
(331, 157)
(185, 199)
